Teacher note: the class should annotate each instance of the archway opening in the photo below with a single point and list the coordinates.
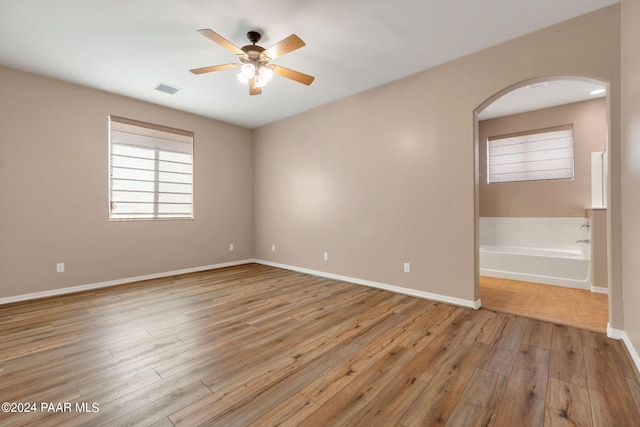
(541, 245)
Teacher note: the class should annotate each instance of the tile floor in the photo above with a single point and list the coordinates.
(574, 307)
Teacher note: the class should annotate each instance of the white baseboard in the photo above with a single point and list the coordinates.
(615, 334)
(91, 286)
(618, 334)
(397, 289)
(599, 290)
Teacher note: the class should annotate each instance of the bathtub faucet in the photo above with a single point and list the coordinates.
(583, 241)
(585, 225)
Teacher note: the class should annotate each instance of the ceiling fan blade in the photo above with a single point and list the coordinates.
(253, 89)
(214, 68)
(284, 46)
(293, 75)
(217, 38)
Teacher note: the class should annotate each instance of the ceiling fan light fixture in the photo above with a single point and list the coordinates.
(248, 71)
(266, 74)
(262, 77)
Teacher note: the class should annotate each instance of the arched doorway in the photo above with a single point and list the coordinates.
(508, 206)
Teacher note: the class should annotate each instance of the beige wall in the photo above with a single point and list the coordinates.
(54, 190)
(631, 168)
(557, 198)
(387, 176)
(599, 264)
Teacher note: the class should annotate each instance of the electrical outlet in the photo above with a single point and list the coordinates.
(407, 267)
(273, 248)
(326, 256)
(60, 267)
(231, 247)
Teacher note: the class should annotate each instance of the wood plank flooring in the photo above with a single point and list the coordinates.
(260, 346)
(567, 306)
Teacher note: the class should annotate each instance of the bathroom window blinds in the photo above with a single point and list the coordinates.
(537, 155)
(151, 171)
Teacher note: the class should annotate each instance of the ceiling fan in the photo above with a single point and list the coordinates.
(255, 67)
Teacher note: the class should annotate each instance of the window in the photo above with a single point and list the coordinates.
(531, 156)
(151, 171)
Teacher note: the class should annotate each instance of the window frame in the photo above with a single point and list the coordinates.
(179, 135)
(568, 127)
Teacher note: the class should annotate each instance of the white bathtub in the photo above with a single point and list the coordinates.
(539, 250)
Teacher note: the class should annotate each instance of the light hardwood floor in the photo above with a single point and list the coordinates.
(566, 306)
(256, 345)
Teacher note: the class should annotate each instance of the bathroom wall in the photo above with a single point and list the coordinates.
(599, 261)
(557, 198)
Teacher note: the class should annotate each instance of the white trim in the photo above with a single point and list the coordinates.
(91, 286)
(618, 334)
(615, 334)
(599, 290)
(397, 289)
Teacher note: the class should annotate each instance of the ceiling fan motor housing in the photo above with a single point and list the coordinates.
(253, 53)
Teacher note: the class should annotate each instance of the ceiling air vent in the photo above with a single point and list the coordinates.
(162, 87)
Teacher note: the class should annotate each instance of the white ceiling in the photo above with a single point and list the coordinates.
(127, 47)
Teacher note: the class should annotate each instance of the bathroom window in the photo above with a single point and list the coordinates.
(542, 154)
(151, 171)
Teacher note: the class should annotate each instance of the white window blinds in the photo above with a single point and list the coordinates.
(531, 156)
(151, 171)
